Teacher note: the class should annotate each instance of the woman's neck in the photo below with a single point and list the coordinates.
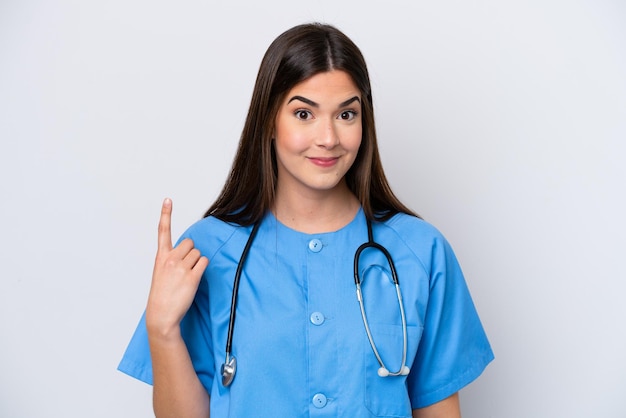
(311, 213)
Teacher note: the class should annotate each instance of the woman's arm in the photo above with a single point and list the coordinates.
(448, 408)
(178, 392)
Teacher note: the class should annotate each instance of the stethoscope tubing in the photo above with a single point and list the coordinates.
(229, 367)
(233, 302)
(383, 371)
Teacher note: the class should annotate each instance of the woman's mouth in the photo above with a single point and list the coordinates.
(324, 161)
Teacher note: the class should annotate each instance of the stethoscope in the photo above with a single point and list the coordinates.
(229, 367)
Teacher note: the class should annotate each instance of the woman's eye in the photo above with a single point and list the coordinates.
(303, 114)
(347, 115)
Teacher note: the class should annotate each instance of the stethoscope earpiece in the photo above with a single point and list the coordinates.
(384, 372)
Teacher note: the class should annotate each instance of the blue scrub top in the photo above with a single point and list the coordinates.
(299, 340)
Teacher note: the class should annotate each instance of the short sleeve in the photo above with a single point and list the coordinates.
(136, 361)
(197, 335)
(454, 349)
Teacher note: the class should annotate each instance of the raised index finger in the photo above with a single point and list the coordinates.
(165, 226)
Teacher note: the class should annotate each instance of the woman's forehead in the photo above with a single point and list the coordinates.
(329, 86)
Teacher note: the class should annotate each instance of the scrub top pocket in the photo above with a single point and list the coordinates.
(388, 396)
(385, 396)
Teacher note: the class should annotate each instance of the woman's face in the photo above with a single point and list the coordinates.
(318, 133)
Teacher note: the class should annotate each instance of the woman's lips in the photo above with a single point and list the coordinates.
(324, 161)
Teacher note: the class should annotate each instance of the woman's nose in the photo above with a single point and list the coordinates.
(328, 136)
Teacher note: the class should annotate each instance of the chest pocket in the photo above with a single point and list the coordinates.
(388, 396)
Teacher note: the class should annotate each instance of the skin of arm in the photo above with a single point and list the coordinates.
(177, 390)
(447, 408)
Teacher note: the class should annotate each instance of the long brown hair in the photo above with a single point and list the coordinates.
(297, 54)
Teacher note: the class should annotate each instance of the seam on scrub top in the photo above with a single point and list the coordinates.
(385, 224)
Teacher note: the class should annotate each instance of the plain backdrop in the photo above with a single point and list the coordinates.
(503, 123)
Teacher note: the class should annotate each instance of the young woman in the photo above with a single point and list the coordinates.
(272, 326)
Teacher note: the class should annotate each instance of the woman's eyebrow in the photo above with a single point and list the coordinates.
(305, 100)
(313, 104)
(349, 101)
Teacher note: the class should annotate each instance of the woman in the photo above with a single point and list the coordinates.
(305, 188)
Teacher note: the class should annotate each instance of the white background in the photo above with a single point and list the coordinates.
(501, 122)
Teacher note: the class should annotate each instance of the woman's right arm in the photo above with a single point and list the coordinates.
(177, 391)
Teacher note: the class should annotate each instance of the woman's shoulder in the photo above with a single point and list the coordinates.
(411, 227)
(417, 235)
(214, 225)
(210, 234)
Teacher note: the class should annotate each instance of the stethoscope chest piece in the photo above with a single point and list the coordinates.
(229, 367)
